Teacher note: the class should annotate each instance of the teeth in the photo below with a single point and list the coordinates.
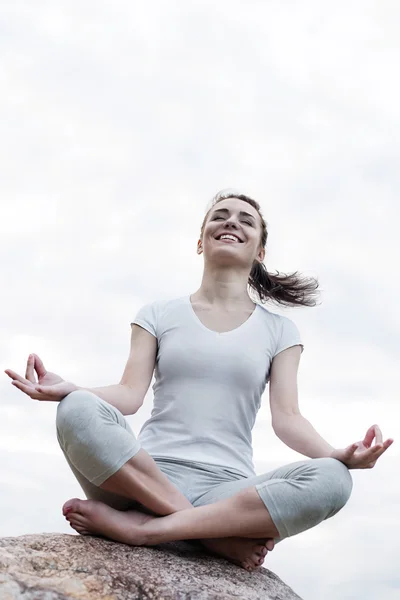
(228, 237)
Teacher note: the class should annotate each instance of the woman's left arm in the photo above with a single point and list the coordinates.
(297, 432)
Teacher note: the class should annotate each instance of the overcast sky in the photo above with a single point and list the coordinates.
(119, 122)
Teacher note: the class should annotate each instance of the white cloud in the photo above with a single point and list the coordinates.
(119, 124)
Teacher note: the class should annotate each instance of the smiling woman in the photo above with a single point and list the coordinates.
(287, 290)
(189, 474)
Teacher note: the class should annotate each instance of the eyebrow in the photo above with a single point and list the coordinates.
(226, 210)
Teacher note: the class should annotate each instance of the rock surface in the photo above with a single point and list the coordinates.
(70, 567)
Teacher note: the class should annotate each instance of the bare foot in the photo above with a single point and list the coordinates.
(245, 552)
(91, 517)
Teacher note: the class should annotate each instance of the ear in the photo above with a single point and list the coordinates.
(199, 247)
(261, 255)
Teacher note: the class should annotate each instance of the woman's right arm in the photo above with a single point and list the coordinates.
(128, 395)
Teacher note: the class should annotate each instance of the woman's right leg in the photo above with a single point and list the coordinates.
(107, 460)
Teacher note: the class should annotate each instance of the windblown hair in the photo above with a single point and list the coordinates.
(287, 290)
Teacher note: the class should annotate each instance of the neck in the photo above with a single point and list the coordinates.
(224, 288)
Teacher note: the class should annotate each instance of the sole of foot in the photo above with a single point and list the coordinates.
(91, 517)
(245, 552)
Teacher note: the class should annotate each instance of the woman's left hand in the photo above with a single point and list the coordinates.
(362, 455)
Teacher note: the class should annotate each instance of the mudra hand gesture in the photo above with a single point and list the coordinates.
(362, 455)
(49, 386)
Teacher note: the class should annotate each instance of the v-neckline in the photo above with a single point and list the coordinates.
(196, 318)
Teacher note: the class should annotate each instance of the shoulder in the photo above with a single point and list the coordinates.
(283, 330)
(165, 303)
(164, 307)
(155, 315)
(279, 320)
(276, 321)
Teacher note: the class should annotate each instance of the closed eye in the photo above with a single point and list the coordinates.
(247, 222)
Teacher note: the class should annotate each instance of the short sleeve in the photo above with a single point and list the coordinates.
(146, 317)
(289, 336)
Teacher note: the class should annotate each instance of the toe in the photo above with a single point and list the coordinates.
(249, 565)
(71, 506)
(77, 519)
(82, 530)
(270, 544)
(259, 557)
(256, 560)
(259, 550)
(79, 529)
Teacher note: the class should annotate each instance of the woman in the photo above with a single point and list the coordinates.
(189, 475)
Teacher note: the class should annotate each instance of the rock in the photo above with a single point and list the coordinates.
(71, 567)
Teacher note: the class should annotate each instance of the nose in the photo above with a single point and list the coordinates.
(230, 223)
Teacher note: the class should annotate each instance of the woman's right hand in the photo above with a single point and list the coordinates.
(50, 387)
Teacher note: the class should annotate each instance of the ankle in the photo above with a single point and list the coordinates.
(180, 504)
(183, 503)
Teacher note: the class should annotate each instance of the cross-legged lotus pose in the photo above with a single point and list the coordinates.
(189, 474)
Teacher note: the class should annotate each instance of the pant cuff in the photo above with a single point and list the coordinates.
(270, 504)
(116, 466)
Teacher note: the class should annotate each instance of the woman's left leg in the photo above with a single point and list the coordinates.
(295, 497)
(278, 504)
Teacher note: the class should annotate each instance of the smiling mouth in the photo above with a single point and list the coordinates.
(236, 241)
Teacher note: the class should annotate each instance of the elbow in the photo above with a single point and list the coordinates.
(134, 405)
(134, 399)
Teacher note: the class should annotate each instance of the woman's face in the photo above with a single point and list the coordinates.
(239, 219)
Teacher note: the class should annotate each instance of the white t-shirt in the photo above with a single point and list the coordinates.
(208, 385)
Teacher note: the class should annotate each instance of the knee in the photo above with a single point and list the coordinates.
(74, 409)
(337, 482)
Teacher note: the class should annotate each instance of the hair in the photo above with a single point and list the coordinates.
(287, 290)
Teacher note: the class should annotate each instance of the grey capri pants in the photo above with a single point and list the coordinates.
(97, 441)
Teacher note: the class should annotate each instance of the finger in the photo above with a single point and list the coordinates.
(30, 372)
(350, 450)
(372, 453)
(378, 450)
(378, 435)
(13, 375)
(10, 373)
(364, 457)
(27, 389)
(385, 445)
(39, 366)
